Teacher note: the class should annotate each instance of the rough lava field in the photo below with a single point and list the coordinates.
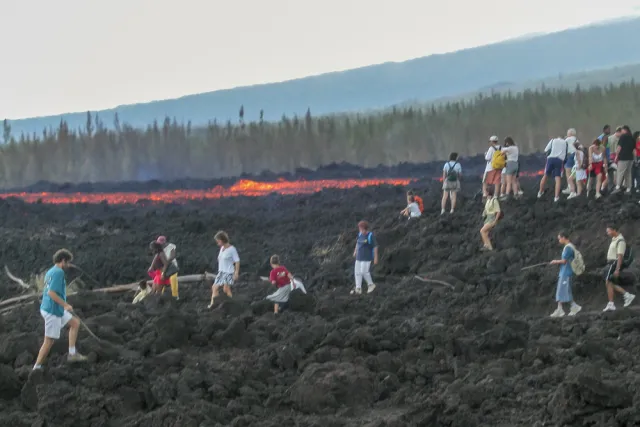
(410, 354)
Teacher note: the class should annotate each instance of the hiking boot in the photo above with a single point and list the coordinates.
(371, 288)
(572, 196)
(575, 309)
(356, 291)
(610, 307)
(628, 298)
(558, 313)
(74, 358)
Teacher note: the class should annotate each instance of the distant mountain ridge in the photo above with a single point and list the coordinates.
(499, 65)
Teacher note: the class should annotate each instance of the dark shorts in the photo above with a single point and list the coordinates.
(570, 162)
(554, 167)
(609, 270)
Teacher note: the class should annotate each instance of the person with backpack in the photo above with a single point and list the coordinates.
(571, 264)
(556, 151)
(365, 253)
(451, 174)
(491, 215)
(619, 257)
(511, 153)
(492, 171)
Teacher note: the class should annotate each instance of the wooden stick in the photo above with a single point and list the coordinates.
(423, 279)
(16, 279)
(533, 266)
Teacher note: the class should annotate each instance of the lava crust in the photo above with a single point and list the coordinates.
(410, 354)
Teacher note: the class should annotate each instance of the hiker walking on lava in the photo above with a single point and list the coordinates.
(56, 312)
(597, 167)
(451, 174)
(493, 170)
(580, 167)
(228, 267)
(619, 257)
(511, 153)
(412, 210)
(158, 265)
(366, 251)
(570, 163)
(281, 279)
(491, 215)
(626, 156)
(570, 258)
(556, 151)
(170, 270)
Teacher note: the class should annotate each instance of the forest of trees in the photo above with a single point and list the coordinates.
(171, 150)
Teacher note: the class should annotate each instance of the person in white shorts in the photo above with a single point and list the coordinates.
(56, 312)
(228, 267)
(366, 251)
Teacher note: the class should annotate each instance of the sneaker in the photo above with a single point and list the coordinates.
(442, 212)
(451, 211)
(628, 298)
(556, 199)
(566, 191)
(558, 313)
(356, 291)
(502, 198)
(520, 193)
(371, 288)
(610, 307)
(539, 194)
(73, 358)
(598, 195)
(575, 309)
(572, 196)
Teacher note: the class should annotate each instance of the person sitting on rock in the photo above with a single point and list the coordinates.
(157, 267)
(491, 215)
(56, 312)
(417, 199)
(228, 267)
(565, 277)
(366, 251)
(412, 210)
(281, 279)
(616, 263)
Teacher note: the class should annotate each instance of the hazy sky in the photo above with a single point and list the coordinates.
(77, 55)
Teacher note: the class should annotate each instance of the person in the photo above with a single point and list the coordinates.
(580, 173)
(170, 270)
(615, 265)
(56, 312)
(511, 152)
(365, 253)
(412, 210)
(565, 278)
(557, 153)
(143, 291)
(282, 280)
(228, 267)
(626, 156)
(570, 163)
(158, 265)
(597, 167)
(636, 162)
(417, 199)
(611, 149)
(491, 215)
(604, 138)
(451, 174)
(491, 177)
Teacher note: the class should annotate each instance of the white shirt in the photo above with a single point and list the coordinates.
(571, 140)
(450, 164)
(414, 210)
(512, 153)
(226, 258)
(167, 252)
(558, 147)
(488, 158)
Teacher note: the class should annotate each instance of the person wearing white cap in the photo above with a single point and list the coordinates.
(491, 175)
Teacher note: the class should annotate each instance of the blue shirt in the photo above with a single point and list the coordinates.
(567, 254)
(54, 281)
(365, 245)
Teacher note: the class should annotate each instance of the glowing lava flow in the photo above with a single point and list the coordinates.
(241, 188)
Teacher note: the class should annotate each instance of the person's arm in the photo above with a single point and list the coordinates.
(236, 264)
(375, 255)
(567, 254)
(54, 296)
(152, 263)
(547, 149)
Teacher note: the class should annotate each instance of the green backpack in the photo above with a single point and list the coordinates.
(452, 175)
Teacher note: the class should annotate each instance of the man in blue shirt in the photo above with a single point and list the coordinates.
(55, 310)
(365, 252)
(565, 277)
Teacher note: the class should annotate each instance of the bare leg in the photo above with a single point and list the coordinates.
(558, 186)
(454, 197)
(227, 290)
(74, 327)
(215, 289)
(276, 308)
(579, 185)
(598, 184)
(445, 197)
(543, 183)
(484, 233)
(44, 350)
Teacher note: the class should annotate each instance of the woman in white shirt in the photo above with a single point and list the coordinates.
(511, 152)
(580, 172)
(228, 266)
(451, 174)
(412, 210)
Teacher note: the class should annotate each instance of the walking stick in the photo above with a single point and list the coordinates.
(440, 282)
(533, 266)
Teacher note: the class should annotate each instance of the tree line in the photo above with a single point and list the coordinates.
(171, 150)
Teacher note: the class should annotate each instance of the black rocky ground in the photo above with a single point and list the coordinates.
(483, 354)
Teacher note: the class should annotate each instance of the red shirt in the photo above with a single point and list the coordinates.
(638, 148)
(280, 275)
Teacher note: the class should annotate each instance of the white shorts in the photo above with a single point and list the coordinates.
(54, 324)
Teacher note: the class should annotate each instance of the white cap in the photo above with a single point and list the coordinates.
(493, 139)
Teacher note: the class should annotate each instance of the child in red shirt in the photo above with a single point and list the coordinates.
(282, 279)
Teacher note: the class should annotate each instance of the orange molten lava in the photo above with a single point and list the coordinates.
(241, 188)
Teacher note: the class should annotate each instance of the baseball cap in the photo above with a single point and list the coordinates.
(619, 128)
(493, 139)
(162, 240)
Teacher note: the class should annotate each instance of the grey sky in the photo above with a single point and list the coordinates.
(77, 55)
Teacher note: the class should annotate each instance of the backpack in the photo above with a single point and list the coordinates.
(498, 160)
(627, 258)
(452, 175)
(585, 159)
(577, 264)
